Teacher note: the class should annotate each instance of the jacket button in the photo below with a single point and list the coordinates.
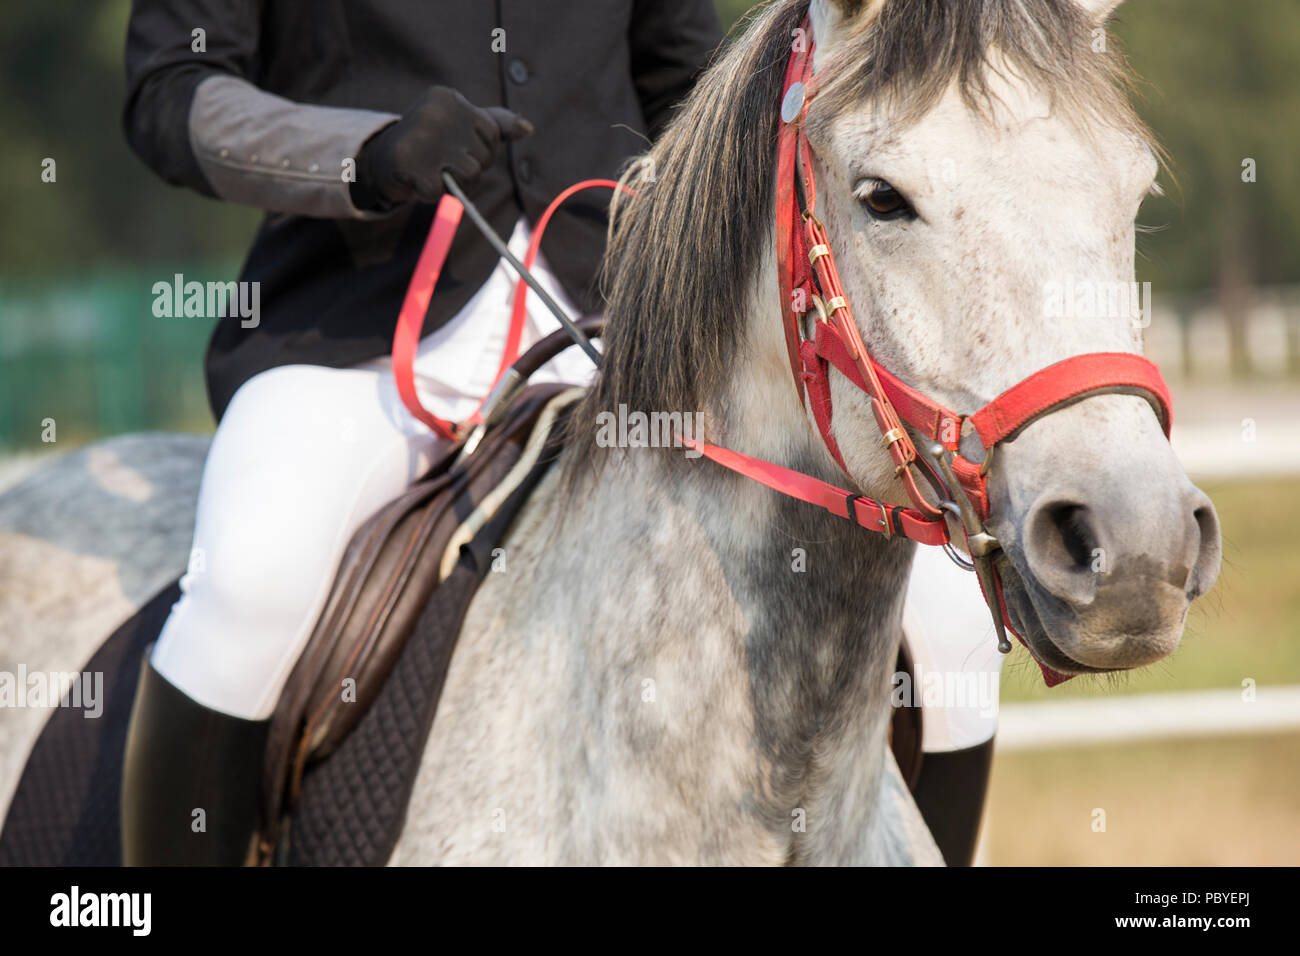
(526, 170)
(518, 71)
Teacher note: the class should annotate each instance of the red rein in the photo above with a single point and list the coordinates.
(410, 321)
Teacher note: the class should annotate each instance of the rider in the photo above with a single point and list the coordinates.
(338, 119)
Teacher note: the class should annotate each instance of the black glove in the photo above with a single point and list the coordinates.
(405, 160)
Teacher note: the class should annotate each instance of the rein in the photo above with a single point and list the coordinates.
(415, 305)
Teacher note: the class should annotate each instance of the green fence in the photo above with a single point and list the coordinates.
(90, 354)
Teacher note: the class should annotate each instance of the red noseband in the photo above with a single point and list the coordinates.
(810, 290)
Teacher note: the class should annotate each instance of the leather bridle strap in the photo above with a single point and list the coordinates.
(1069, 381)
(1046, 391)
(868, 513)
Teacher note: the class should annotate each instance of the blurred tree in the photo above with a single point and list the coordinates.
(1220, 88)
(729, 11)
(61, 92)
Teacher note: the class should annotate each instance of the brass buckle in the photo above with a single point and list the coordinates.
(891, 436)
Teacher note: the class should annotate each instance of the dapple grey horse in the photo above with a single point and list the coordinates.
(649, 680)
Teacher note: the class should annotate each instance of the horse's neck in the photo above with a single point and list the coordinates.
(800, 608)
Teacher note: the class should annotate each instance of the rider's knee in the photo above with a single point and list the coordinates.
(252, 572)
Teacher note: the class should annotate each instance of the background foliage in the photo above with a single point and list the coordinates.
(79, 257)
(1220, 86)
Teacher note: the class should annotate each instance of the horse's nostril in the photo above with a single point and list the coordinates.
(1078, 540)
(1209, 550)
(1061, 541)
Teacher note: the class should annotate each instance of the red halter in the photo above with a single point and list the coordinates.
(809, 281)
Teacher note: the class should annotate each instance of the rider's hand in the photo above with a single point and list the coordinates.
(442, 131)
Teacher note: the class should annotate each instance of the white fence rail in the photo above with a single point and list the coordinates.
(1130, 718)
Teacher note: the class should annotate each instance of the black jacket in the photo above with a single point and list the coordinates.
(267, 103)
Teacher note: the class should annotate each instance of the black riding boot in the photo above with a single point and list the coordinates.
(189, 781)
(950, 794)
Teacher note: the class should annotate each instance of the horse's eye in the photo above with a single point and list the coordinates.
(886, 202)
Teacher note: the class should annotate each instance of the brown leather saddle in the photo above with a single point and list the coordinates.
(343, 735)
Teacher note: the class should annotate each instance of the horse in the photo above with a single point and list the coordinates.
(675, 664)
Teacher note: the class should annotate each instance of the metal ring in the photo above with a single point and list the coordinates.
(962, 421)
(952, 508)
(821, 308)
(953, 554)
(955, 557)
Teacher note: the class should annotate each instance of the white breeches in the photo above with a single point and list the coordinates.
(304, 454)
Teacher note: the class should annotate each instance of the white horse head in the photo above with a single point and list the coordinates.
(970, 220)
(979, 171)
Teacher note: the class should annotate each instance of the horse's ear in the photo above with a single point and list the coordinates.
(1099, 10)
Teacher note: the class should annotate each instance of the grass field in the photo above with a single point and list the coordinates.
(1219, 802)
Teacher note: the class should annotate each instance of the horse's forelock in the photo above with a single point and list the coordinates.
(906, 53)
